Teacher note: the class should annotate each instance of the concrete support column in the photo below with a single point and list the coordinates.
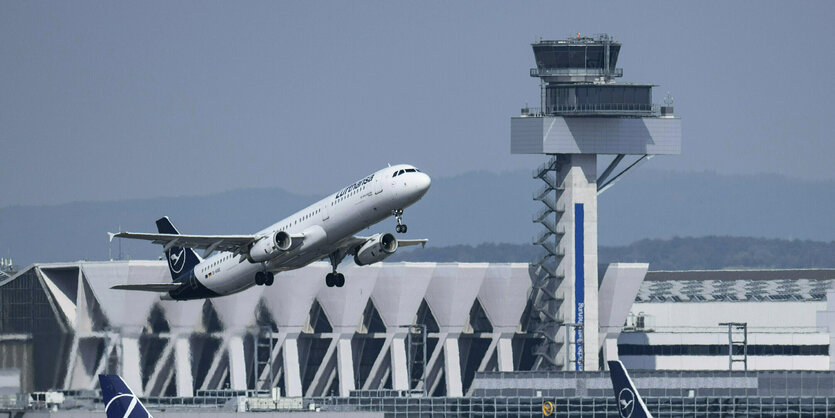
(452, 367)
(620, 286)
(610, 351)
(345, 365)
(237, 363)
(292, 368)
(399, 366)
(504, 354)
(131, 370)
(182, 365)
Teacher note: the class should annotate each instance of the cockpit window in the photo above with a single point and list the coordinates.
(407, 170)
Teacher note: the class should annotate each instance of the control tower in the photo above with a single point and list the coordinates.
(584, 114)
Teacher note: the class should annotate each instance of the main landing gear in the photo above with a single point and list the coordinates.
(335, 279)
(264, 278)
(401, 227)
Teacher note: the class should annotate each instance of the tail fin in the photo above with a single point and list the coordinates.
(630, 404)
(180, 260)
(119, 400)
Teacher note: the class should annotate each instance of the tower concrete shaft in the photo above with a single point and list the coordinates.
(565, 274)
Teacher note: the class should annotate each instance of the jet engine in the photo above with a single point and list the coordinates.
(270, 246)
(377, 248)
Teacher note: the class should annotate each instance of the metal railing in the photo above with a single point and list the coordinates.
(602, 108)
(634, 109)
(570, 72)
(741, 406)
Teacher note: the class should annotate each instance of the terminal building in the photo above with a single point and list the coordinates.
(441, 331)
(356, 337)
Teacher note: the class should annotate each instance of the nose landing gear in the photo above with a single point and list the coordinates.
(401, 227)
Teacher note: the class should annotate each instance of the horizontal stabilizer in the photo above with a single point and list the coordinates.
(149, 287)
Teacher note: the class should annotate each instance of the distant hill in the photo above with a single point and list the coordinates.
(468, 209)
(673, 254)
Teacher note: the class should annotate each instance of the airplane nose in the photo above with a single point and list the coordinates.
(423, 182)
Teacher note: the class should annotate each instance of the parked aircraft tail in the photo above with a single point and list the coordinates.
(119, 400)
(630, 404)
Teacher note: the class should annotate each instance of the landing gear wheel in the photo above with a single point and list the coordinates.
(336, 279)
(269, 279)
(398, 214)
(260, 278)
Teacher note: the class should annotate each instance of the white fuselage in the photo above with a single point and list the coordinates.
(334, 219)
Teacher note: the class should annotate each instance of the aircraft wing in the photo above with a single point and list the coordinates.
(210, 243)
(148, 287)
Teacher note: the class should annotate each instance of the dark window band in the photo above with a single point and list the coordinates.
(721, 350)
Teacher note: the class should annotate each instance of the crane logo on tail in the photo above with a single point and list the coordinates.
(176, 259)
(626, 403)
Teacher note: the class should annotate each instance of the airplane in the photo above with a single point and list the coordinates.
(119, 400)
(630, 403)
(322, 230)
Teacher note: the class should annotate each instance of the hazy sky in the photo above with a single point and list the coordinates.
(111, 100)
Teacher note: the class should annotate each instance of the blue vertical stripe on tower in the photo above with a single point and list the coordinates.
(579, 284)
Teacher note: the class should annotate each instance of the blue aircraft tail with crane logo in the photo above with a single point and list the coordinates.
(119, 400)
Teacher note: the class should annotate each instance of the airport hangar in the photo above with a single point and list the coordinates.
(61, 325)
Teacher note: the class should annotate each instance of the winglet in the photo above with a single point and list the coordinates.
(111, 235)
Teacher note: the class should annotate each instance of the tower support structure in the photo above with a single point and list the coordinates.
(584, 115)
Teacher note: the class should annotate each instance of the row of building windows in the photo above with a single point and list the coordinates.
(578, 56)
(25, 308)
(598, 95)
(721, 350)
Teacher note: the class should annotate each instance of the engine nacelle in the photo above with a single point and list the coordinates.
(270, 247)
(377, 248)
